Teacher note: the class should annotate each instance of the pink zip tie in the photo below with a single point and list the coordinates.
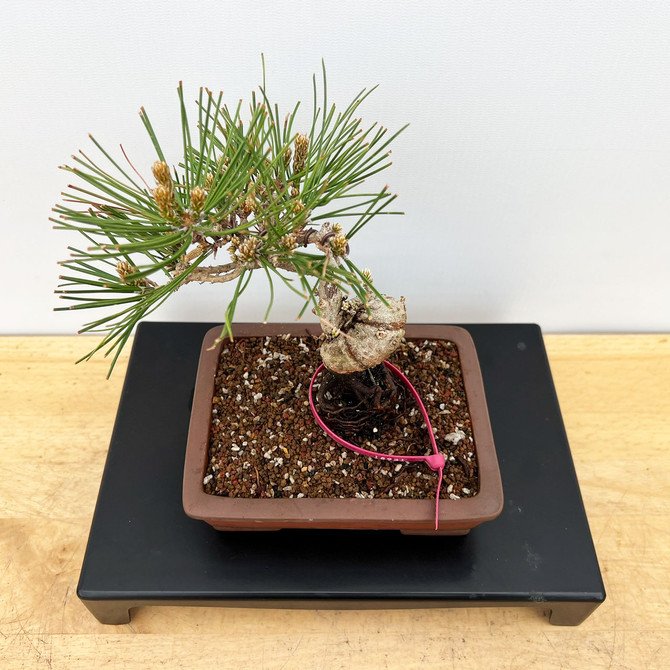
(435, 461)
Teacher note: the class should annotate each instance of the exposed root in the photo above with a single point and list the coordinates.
(360, 403)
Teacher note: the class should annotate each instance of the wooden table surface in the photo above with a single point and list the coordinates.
(55, 427)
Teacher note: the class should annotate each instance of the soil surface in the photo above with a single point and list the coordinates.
(264, 441)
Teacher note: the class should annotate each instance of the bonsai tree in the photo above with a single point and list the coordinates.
(274, 199)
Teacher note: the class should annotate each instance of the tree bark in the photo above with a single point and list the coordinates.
(360, 335)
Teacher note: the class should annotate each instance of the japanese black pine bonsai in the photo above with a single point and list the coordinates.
(269, 197)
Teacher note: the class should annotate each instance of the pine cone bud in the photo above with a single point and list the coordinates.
(338, 245)
(164, 198)
(301, 150)
(294, 192)
(288, 242)
(298, 207)
(367, 275)
(198, 196)
(209, 180)
(247, 250)
(235, 241)
(287, 156)
(162, 172)
(124, 269)
(249, 204)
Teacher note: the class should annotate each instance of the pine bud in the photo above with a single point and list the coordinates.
(162, 173)
(209, 180)
(247, 250)
(249, 204)
(198, 196)
(164, 198)
(294, 192)
(298, 207)
(338, 245)
(288, 242)
(235, 241)
(301, 150)
(367, 275)
(287, 156)
(124, 269)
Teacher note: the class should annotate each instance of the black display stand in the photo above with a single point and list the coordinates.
(143, 549)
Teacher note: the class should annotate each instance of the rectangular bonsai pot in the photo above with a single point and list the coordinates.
(456, 517)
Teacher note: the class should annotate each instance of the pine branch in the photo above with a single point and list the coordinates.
(249, 188)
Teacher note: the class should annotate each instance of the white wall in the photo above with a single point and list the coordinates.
(535, 175)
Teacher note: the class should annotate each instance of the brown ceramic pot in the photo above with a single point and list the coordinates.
(456, 517)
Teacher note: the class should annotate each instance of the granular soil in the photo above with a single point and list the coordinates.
(264, 442)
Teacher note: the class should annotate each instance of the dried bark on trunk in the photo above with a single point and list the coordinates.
(360, 336)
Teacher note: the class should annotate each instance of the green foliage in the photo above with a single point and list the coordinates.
(249, 186)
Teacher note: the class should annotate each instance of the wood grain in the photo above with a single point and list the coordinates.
(55, 426)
